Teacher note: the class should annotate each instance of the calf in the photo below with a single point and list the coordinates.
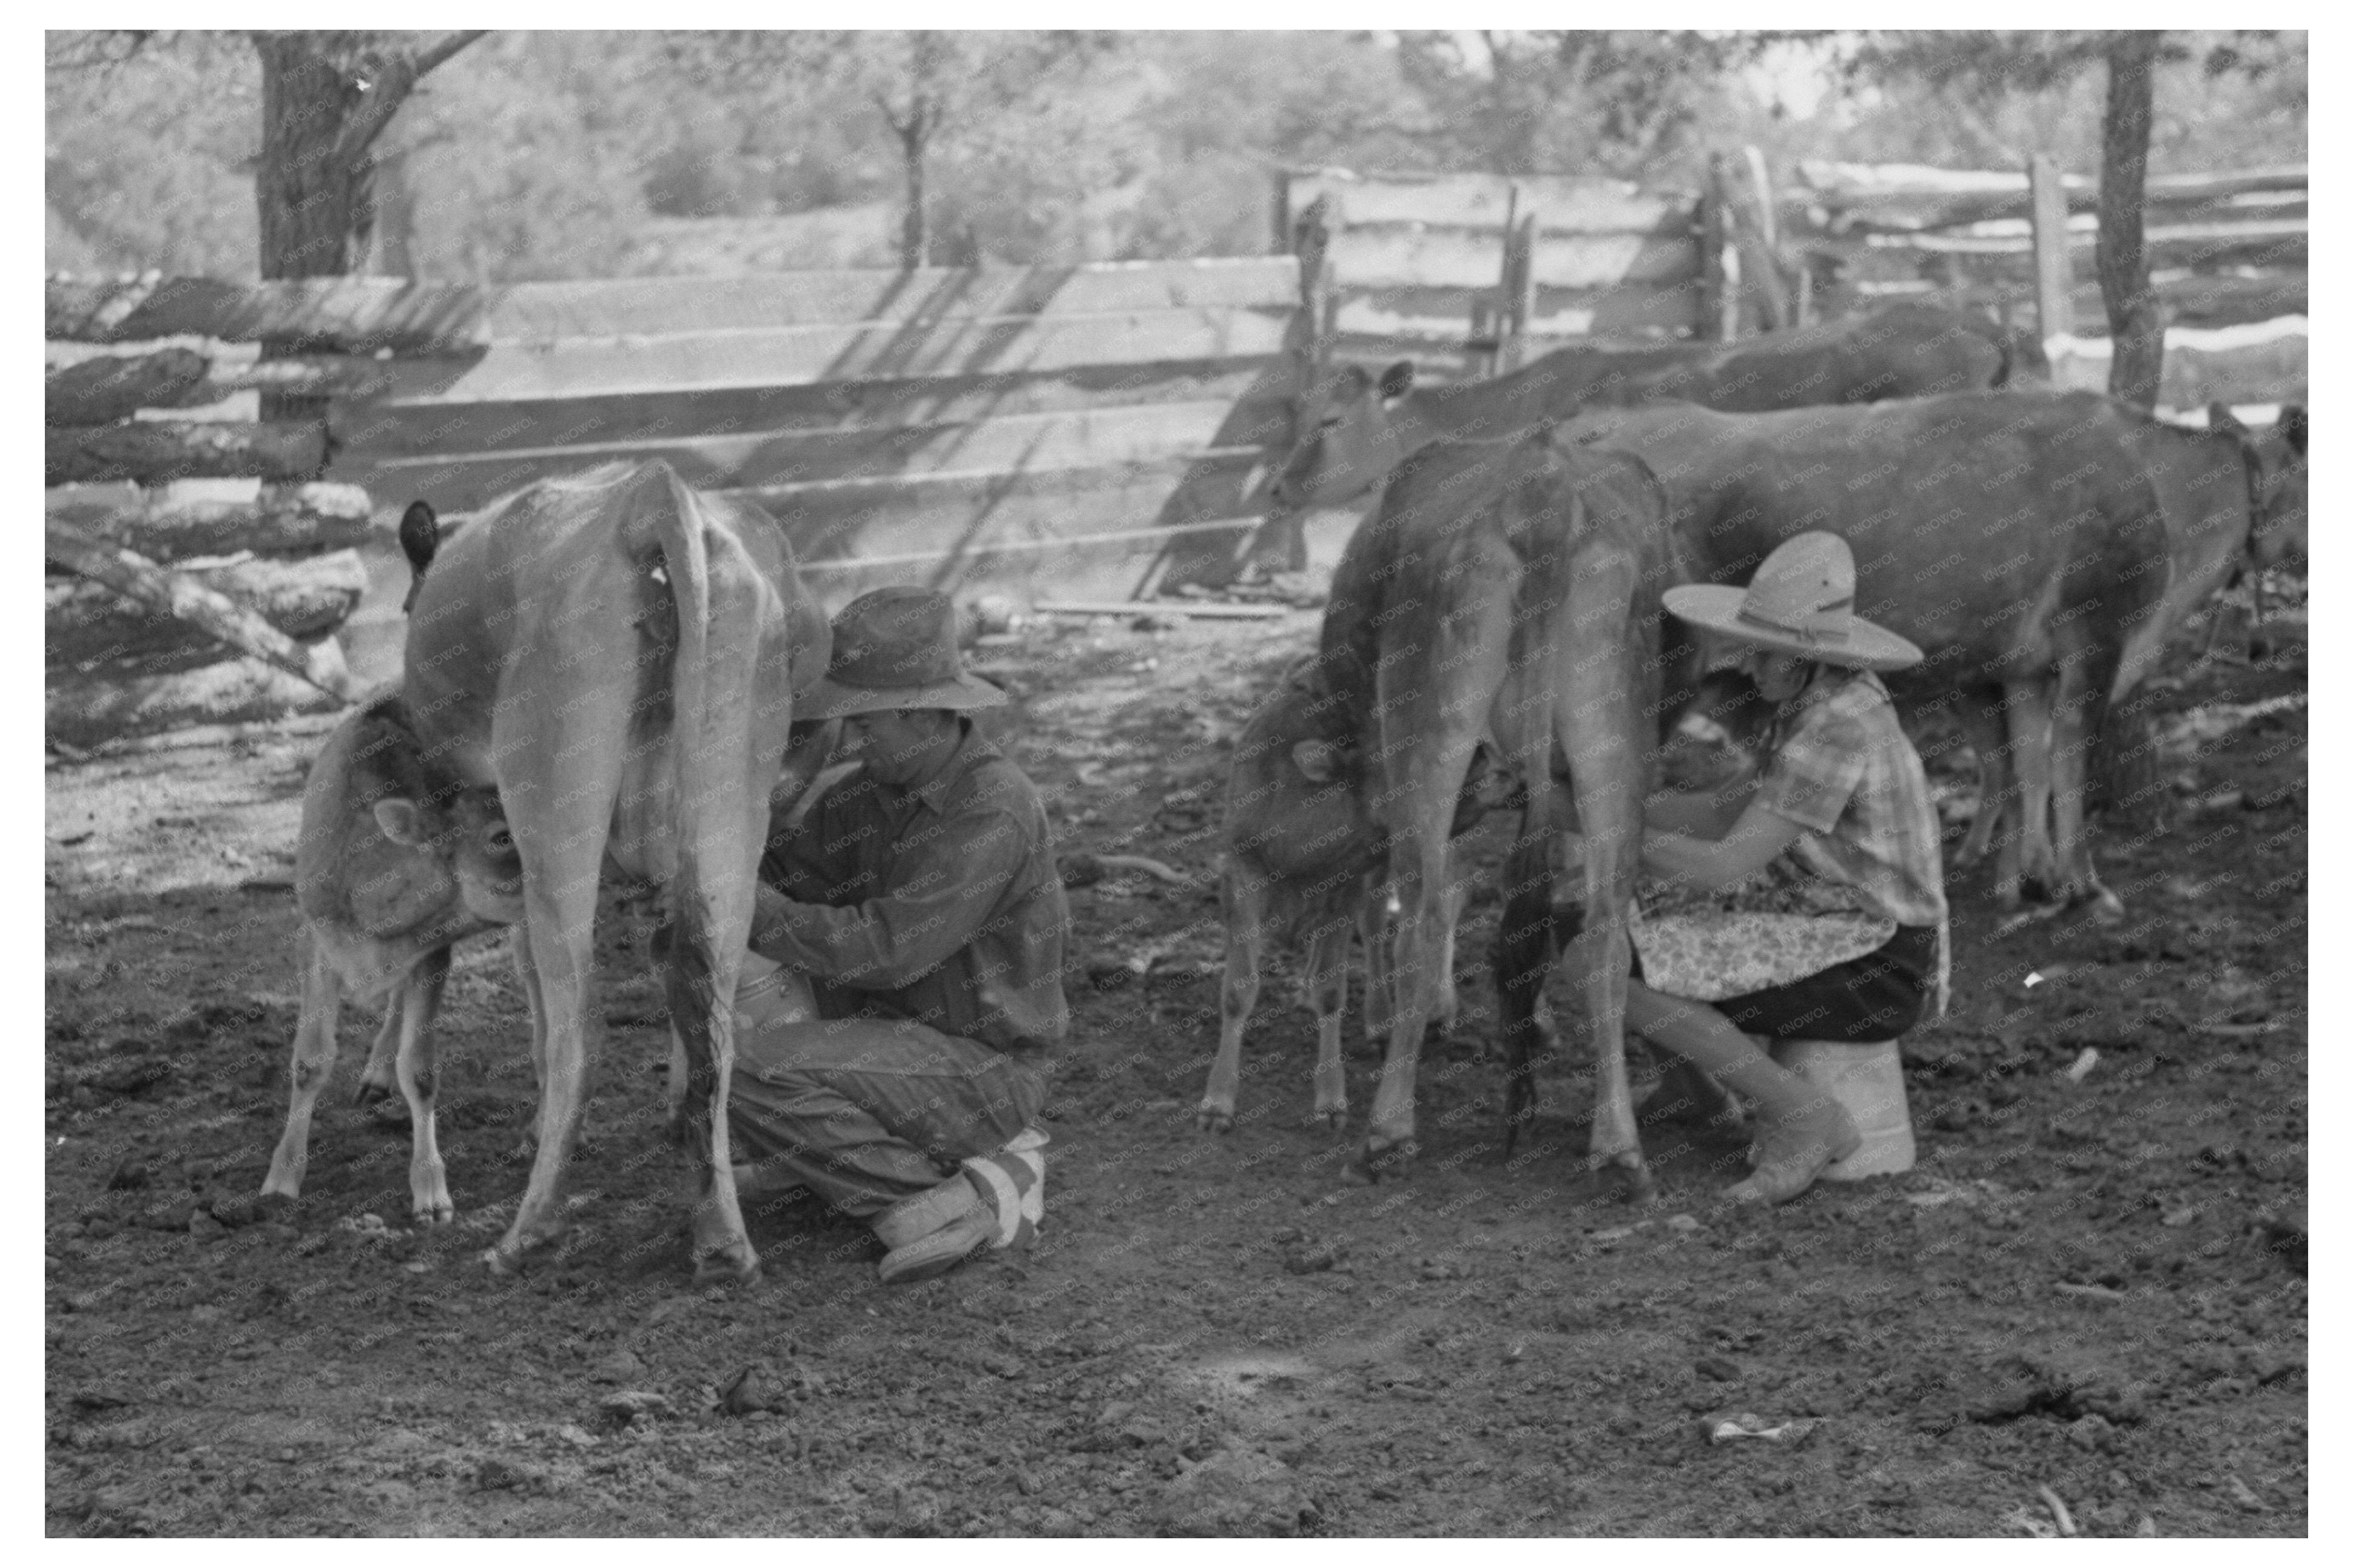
(617, 653)
(396, 862)
(1303, 864)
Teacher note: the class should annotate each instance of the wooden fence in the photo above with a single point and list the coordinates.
(1470, 272)
(2224, 248)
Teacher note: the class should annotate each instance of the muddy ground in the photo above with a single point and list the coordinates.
(2092, 1287)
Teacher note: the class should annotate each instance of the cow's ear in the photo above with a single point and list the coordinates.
(420, 534)
(1397, 381)
(1319, 760)
(402, 823)
(2220, 417)
(2290, 426)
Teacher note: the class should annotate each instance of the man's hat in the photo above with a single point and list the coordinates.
(895, 648)
(1801, 600)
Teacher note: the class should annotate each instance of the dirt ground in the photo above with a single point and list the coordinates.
(2093, 1287)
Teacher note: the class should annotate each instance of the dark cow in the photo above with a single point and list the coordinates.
(1355, 427)
(2017, 539)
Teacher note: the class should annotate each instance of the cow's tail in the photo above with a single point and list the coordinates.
(686, 561)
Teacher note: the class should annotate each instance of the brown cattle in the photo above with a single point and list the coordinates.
(1355, 427)
(2235, 501)
(616, 654)
(396, 863)
(1511, 589)
(2015, 539)
(1304, 864)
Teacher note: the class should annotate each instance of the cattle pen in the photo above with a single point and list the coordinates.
(2083, 1312)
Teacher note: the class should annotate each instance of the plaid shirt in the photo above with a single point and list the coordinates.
(1840, 766)
(942, 905)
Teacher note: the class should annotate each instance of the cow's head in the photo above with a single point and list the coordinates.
(2277, 484)
(467, 833)
(1350, 436)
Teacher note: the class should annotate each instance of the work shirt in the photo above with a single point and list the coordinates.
(1840, 767)
(942, 904)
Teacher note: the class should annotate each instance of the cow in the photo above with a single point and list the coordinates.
(1303, 864)
(2235, 502)
(396, 863)
(2017, 539)
(617, 655)
(1509, 589)
(1354, 427)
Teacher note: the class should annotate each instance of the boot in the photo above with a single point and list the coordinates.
(1014, 1180)
(933, 1231)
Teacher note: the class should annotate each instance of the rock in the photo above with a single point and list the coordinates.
(756, 1387)
(129, 1177)
(1717, 1368)
(621, 1366)
(629, 1403)
(495, 1474)
(235, 1209)
(2093, 1434)
(1108, 972)
(1238, 1491)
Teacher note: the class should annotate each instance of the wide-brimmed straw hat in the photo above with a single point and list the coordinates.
(896, 648)
(1801, 602)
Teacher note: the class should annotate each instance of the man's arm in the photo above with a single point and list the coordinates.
(945, 887)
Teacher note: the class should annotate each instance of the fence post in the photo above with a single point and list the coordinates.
(2054, 276)
(1761, 243)
(1719, 260)
(1523, 297)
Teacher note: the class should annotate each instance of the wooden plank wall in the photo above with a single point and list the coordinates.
(1412, 255)
(1000, 426)
(2225, 249)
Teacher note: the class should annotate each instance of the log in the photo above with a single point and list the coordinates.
(1196, 609)
(101, 391)
(86, 711)
(89, 622)
(158, 451)
(176, 594)
(217, 517)
(346, 315)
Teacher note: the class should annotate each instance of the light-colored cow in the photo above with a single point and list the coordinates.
(616, 654)
(396, 863)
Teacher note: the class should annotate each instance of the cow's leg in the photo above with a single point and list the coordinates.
(1605, 735)
(314, 1059)
(419, 1001)
(1523, 958)
(2075, 722)
(1326, 985)
(1376, 934)
(1458, 894)
(2028, 855)
(1988, 738)
(1430, 726)
(1243, 895)
(380, 1076)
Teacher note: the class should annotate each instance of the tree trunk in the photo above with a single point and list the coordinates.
(115, 386)
(914, 235)
(179, 595)
(2135, 326)
(395, 215)
(152, 452)
(166, 525)
(326, 98)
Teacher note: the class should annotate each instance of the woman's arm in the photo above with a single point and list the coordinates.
(1699, 814)
(1712, 865)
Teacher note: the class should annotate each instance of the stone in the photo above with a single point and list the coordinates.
(1237, 1492)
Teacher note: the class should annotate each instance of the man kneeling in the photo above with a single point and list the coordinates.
(920, 896)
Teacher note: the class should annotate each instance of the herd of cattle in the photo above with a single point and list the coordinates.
(599, 677)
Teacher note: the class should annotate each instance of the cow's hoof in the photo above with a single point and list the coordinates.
(1213, 1119)
(432, 1214)
(1635, 1182)
(368, 1092)
(734, 1265)
(1377, 1162)
(1329, 1118)
(503, 1262)
(2106, 908)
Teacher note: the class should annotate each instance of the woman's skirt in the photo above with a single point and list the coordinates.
(1805, 977)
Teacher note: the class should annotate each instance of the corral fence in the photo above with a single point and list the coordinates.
(1096, 431)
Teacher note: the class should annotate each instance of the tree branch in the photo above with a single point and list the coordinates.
(398, 74)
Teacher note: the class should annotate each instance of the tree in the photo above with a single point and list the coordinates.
(326, 97)
(1998, 63)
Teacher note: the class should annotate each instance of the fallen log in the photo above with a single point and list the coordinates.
(158, 451)
(115, 387)
(88, 623)
(87, 711)
(217, 517)
(343, 315)
(1193, 607)
(176, 594)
